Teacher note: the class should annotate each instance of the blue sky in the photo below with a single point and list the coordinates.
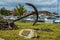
(48, 5)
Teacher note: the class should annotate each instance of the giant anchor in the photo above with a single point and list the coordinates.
(36, 12)
(11, 23)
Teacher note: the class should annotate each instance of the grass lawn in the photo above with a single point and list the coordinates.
(13, 34)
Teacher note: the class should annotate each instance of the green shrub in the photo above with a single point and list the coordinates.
(3, 21)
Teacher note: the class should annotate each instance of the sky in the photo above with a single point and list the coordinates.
(48, 5)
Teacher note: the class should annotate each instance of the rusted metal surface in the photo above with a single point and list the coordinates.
(36, 13)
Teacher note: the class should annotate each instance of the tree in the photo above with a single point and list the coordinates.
(4, 11)
(20, 10)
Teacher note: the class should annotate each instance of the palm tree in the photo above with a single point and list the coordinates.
(20, 10)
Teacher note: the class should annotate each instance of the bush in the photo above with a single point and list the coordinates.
(3, 24)
(3, 21)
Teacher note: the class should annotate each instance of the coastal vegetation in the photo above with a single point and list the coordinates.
(19, 10)
(4, 11)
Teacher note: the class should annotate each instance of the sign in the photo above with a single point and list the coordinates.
(28, 33)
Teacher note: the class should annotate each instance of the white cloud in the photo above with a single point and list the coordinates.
(2, 2)
(43, 9)
(38, 2)
(49, 2)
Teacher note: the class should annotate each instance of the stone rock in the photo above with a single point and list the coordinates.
(1, 39)
(28, 33)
